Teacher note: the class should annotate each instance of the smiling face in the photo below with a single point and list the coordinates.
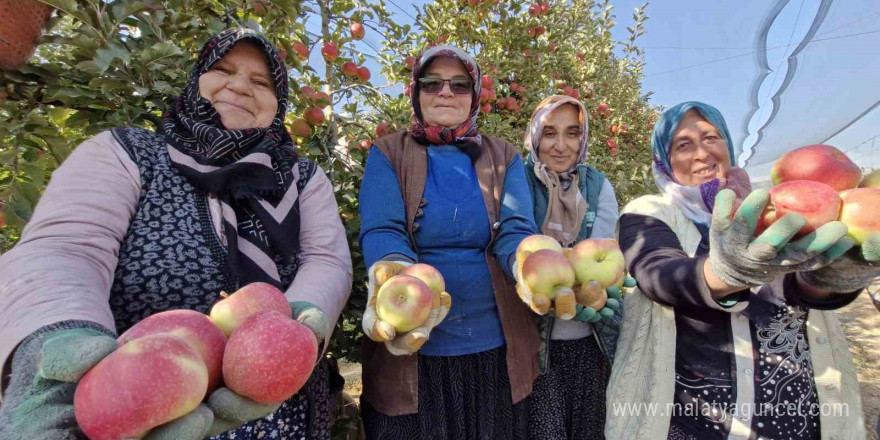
(697, 152)
(241, 88)
(445, 109)
(560, 139)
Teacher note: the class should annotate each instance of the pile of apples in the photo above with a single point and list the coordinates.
(824, 185)
(547, 269)
(405, 300)
(168, 363)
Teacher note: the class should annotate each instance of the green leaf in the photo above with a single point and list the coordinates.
(165, 49)
(105, 56)
(20, 210)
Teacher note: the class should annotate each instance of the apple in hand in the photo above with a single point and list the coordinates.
(230, 312)
(534, 243)
(143, 384)
(428, 274)
(269, 358)
(404, 302)
(546, 271)
(591, 294)
(193, 327)
(817, 202)
(819, 163)
(599, 260)
(861, 212)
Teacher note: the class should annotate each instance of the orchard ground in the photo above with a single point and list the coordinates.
(861, 324)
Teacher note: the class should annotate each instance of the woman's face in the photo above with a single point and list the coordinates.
(560, 139)
(444, 108)
(241, 88)
(697, 152)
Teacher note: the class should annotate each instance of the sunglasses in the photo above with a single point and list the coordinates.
(458, 86)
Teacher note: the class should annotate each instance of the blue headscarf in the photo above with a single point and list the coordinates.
(695, 201)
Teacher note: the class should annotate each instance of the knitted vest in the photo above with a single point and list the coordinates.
(171, 257)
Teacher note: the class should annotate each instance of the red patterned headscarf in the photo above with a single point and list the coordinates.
(465, 136)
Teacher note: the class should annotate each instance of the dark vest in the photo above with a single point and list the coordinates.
(171, 257)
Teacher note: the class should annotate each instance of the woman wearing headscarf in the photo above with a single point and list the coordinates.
(135, 223)
(442, 194)
(573, 201)
(729, 335)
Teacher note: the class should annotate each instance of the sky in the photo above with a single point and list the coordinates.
(711, 51)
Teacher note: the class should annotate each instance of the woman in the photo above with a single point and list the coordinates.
(575, 202)
(445, 195)
(135, 223)
(748, 323)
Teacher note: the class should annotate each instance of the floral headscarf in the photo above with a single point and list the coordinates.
(465, 136)
(696, 202)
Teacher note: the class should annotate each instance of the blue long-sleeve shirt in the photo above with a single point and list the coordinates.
(453, 235)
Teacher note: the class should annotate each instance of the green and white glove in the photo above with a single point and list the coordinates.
(314, 318)
(38, 403)
(740, 260)
(612, 304)
(852, 271)
(47, 366)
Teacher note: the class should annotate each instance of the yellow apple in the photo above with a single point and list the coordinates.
(405, 302)
(598, 259)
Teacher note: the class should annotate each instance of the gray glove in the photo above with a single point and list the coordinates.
(741, 261)
(314, 318)
(853, 271)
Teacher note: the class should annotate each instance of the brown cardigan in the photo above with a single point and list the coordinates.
(391, 382)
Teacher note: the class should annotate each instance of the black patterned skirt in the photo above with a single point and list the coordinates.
(460, 398)
(568, 400)
(305, 416)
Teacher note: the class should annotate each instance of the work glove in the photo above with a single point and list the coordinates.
(740, 260)
(612, 304)
(314, 318)
(854, 270)
(563, 303)
(381, 331)
(46, 368)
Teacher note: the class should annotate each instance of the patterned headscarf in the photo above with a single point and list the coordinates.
(249, 170)
(465, 136)
(696, 202)
(566, 206)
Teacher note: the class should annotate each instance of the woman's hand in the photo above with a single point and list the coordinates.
(740, 260)
(381, 331)
(854, 270)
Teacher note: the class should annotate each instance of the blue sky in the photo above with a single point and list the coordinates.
(708, 51)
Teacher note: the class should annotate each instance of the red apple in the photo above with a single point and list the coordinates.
(534, 10)
(428, 274)
(143, 384)
(301, 128)
(861, 212)
(349, 68)
(230, 312)
(259, 7)
(545, 7)
(540, 30)
(410, 62)
(533, 32)
(870, 181)
(382, 130)
(314, 116)
(357, 31)
(612, 144)
(363, 73)
(816, 201)
(269, 358)
(546, 271)
(322, 99)
(308, 92)
(486, 81)
(602, 108)
(193, 327)
(302, 51)
(404, 302)
(580, 56)
(486, 108)
(567, 90)
(330, 51)
(484, 95)
(599, 260)
(820, 163)
(576, 94)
